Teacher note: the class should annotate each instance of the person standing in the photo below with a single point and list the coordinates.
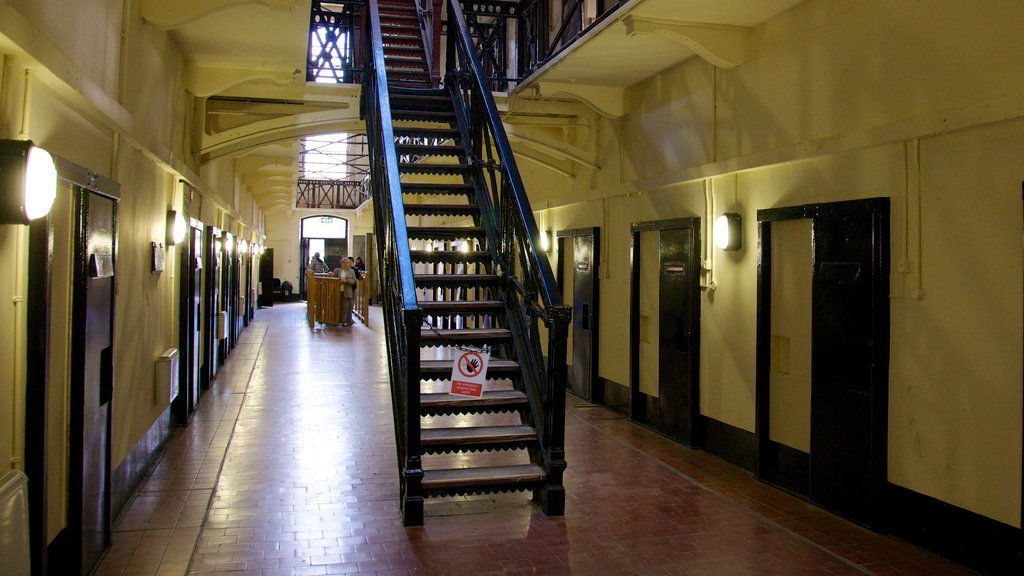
(359, 268)
(348, 289)
(317, 265)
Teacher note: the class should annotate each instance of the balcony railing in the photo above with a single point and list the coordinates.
(514, 38)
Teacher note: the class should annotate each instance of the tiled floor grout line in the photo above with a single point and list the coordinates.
(224, 455)
(706, 488)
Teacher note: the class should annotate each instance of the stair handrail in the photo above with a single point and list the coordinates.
(533, 294)
(402, 316)
(429, 12)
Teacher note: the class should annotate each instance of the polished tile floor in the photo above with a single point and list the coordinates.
(289, 468)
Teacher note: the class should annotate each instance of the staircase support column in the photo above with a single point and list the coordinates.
(553, 493)
(412, 476)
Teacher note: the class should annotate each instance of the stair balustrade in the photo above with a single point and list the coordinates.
(401, 313)
(494, 293)
(531, 292)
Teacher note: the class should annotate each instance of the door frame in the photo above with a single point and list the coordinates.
(37, 351)
(596, 384)
(879, 210)
(637, 404)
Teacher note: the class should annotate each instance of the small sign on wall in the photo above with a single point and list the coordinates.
(158, 256)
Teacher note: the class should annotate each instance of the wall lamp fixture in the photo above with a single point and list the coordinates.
(545, 241)
(176, 227)
(729, 231)
(28, 178)
(229, 242)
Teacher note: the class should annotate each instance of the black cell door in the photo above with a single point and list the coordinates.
(92, 373)
(848, 379)
(190, 343)
(676, 410)
(676, 357)
(585, 245)
(210, 307)
(846, 469)
(267, 288)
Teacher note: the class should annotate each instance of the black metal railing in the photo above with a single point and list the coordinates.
(402, 317)
(515, 38)
(335, 44)
(330, 194)
(529, 290)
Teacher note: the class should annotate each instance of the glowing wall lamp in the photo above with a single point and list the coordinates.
(28, 182)
(729, 231)
(243, 246)
(545, 241)
(176, 227)
(229, 242)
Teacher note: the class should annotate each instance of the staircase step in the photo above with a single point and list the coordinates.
(413, 115)
(426, 132)
(446, 233)
(462, 308)
(402, 49)
(437, 169)
(442, 210)
(414, 61)
(491, 401)
(454, 280)
(477, 437)
(452, 336)
(438, 188)
(427, 150)
(449, 256)
(403, 17)
(442, 369)
(482, 480)
(390, 26)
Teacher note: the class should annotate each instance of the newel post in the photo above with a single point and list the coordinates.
(412, 476)
(553, 495)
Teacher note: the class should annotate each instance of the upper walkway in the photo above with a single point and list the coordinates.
(289, 468)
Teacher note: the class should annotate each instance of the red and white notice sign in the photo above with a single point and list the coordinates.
(469, 373)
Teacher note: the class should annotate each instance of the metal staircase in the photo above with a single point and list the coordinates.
(457, 245)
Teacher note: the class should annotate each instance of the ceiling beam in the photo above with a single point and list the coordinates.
(721, 45)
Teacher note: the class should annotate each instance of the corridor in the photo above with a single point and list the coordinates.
(289, 468)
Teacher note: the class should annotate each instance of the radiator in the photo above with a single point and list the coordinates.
(165, 388)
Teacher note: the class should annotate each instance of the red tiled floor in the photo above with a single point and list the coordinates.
(289, 469)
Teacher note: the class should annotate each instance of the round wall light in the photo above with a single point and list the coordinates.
(28, 177)
(729, 231)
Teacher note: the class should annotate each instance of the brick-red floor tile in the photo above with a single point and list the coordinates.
(288, 469)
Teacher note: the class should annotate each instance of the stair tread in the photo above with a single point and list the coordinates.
(490, 397)
(431, 167)
(445, 366)
(482, 476)
(417, 186)
(434, 334)
(456, 278)
(477, 434)
(471, 230)
(428, 150)
(469, 208)
(430, 305)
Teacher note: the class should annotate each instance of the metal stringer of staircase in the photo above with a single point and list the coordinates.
(461, 268)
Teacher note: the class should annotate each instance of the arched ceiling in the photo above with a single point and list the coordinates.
(247, 59)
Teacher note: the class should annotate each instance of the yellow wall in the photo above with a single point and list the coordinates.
(66, 90)
(918, 102)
